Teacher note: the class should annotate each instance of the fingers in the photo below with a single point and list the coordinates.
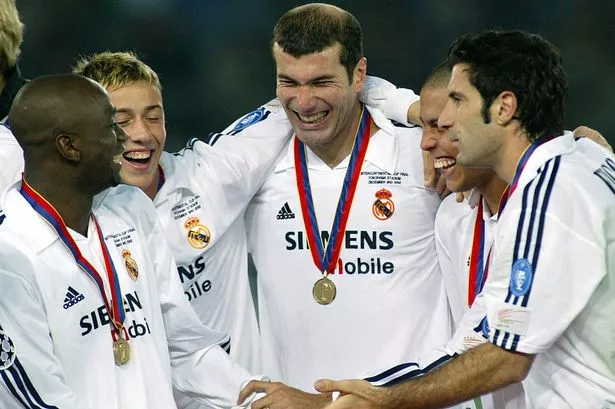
(253, 387)
(430, 175)
(346, 386)
(594, 135)
(441, 186)
(459, 197)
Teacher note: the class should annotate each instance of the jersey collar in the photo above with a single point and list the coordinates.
(561, 145)
(382, 150)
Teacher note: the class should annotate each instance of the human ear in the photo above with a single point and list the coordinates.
(67, 147)
(504, 108)
(358, 75)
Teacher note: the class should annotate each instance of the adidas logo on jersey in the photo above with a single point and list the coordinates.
(285, 213)
(72, 297)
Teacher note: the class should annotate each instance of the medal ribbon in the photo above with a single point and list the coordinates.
(520, 166)
(51, 216)
(478, 274)
(326, 260)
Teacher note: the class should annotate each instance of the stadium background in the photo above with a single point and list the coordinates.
(215, 65)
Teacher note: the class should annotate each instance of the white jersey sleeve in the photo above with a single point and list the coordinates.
(549, 280)
(31, 374)
(200, 367)
(239, 158)
(11, 158)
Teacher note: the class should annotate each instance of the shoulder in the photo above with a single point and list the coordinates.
(6, 136)
(451, 216)
(267, 118)
(17, 258)
(126, 203)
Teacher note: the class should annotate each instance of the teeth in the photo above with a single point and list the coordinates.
(137, 155)
(313, 118)
(443, 163)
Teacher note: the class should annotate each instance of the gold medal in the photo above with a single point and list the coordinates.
(324, 291)
(121, 351)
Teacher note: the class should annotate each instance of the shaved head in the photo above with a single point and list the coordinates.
(65, 125)
(52, 105)
(439, 76)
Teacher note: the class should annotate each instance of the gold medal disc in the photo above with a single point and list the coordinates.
(121, 351)
(324, 291)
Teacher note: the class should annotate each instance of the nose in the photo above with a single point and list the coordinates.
(429, 138)
(447, 117)
(138, 130)
(304, 100)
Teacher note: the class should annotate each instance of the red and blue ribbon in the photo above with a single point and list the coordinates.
(51, 216)
(326, 259)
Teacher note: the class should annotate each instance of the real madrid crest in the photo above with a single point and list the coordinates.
(383, 207)
(198, 235)
(131, 264)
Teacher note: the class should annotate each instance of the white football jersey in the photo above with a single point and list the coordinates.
(201, 206)
(454, 238)
(550, 289)
(11, 158)
(56, 339)
(390, 301)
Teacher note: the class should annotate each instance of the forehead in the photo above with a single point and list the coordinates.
(325, 61)
(135, 95)
(460, 78)
(433, 101)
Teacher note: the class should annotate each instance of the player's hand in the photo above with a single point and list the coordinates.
(398, 104)
(355, 394)
(432, 178)
(587, 132)
(281, 396)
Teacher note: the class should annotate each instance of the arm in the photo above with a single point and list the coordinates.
(481, 370)
(398, 104)
(31, 375)
(200, 368)
(11, 158)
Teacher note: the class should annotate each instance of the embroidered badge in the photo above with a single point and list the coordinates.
(521, 277)
(131, 264)
(7, 351)
(198, 235)
(250, 119)
(383, 207)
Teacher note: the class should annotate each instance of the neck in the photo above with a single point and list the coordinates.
(492, 191)
(340, 146)
(2, 83)
(152, 189)
(509, 157)
(73, 204)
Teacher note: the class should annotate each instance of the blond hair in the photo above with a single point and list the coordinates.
(115, 70)
(11, 35)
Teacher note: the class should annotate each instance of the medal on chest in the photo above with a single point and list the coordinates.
(113, 302)
(325, 260)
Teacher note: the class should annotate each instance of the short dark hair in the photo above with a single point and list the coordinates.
(439, 76)
(523, 63)
(313, 27)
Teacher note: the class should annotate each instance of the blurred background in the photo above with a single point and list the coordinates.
(215, 65)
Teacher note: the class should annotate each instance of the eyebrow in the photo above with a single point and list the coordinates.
(147, 109)
(456, 94)
(430, 121)
(321, 78)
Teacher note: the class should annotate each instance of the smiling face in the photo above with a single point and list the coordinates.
(436, 141)
(139, 112)
(320, 100)
(103, 143)
(479, 143)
